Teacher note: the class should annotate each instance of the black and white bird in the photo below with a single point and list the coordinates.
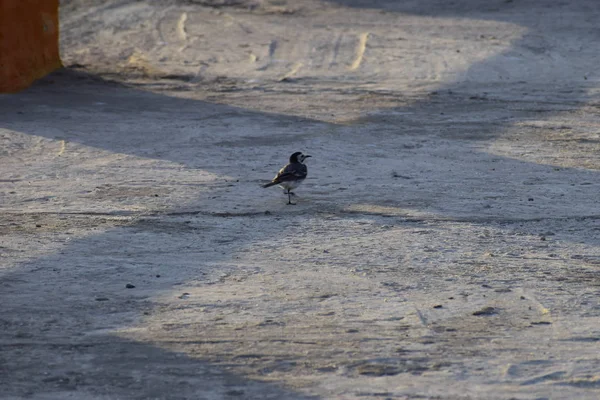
(292, 175)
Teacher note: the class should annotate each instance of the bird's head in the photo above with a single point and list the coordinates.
(298, 157)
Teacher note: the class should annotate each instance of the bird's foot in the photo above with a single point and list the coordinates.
(289, 203)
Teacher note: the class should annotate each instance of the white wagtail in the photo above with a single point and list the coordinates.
(291, 176)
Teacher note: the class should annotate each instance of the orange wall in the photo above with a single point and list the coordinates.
(28, 42)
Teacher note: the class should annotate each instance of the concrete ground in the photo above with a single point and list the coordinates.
(446, 244)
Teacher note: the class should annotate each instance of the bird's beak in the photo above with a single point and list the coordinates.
(307, 156)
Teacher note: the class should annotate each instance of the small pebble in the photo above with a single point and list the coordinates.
(485, 311)
(438, 306)
(130, 286)
(530, 199)
(101, 298)
(326, 314)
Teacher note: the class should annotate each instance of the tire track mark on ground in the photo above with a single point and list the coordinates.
(295, 68)
(272, 48)
(360, 50)
(336, 50)
(181, 31)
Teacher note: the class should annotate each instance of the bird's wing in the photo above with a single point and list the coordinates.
(291, 172)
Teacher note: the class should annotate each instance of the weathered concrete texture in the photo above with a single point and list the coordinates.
(446, 244)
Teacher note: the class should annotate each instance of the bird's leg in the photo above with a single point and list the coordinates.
(289, 193)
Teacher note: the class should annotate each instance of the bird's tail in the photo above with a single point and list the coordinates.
(270, 184)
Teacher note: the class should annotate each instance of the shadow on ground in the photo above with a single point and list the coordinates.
(98, 265)
(105, 366)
